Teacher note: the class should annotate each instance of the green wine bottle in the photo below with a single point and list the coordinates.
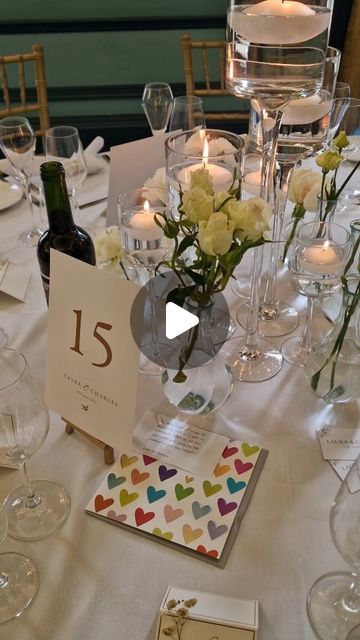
(62, 234)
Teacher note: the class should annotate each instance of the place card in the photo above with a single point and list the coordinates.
(92, 359)
(131, 164)
(339, 444)
(341, 467)
(177, 442)
(14, 280)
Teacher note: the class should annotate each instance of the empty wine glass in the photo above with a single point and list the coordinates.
(64, 145)
(187, 113)
(17, 142)
(34, 510)
(342, 90)
(18, 580)
(145, 245)
(157, 102)
(333, 603)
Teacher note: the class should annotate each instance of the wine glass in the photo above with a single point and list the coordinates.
(17, 142)
(333, 603)
(34, 510)
(318, 261)
(157, 102)
(345, 116)
(145, 245)
(18, 579)
(64, 145)
(342, 90)
(187, 113)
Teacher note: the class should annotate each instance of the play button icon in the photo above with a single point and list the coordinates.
(178, 320)
(162, 328)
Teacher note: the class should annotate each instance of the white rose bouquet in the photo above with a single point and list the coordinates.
(214, 231)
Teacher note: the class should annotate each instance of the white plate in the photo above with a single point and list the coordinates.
(10, 194)
(352, 152)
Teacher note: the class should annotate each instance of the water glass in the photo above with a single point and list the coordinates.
(187, 113)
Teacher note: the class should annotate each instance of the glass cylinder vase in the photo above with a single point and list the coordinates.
(197, 380)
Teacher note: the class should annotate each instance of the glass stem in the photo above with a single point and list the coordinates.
(31, 499)
(351, 599)
(308, 323)
(270, 121)
(153, 315)
(284, 176)
(26, 182)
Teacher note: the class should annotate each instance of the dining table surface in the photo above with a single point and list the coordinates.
(97, 580)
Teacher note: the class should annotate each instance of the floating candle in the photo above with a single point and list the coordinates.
(222, 178)
(252, 182)
(323, 259)
(142, 225)
(307, 110)
(274, 22)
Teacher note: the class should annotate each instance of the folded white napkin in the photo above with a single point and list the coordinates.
(93, 162)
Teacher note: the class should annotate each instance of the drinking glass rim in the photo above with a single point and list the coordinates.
(353, 102)
(188, 99)
(49, 134)
(20, 120)
(226, 134)
(25, 366)
(301, 239)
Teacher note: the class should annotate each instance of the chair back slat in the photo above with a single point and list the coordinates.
(41, 104)
(205, 86)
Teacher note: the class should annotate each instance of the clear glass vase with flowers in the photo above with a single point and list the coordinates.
(211, 233)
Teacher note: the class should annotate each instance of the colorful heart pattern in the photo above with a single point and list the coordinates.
(166, 502)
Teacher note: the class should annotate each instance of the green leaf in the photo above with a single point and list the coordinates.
(185, 244)
(179, 295)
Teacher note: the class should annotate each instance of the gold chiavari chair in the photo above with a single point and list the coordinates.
(16, 99)
(198, 70)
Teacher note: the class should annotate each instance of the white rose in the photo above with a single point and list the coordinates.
(310, 202)
(250, 217)
(216, 234)
(108, 245)
(303, 181)
(155, 188)
(197, 205)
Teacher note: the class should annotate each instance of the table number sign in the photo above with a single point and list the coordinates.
(92, 359)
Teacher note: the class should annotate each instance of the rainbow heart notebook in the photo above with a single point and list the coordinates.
(197, 515)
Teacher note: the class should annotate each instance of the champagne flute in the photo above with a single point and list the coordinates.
(64, 145)
(187, 113)
(34, 510)
(157, 102)
(18, 579)
(333, 603)
(17, 142)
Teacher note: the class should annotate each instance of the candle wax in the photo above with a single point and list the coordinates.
(222, 178)
(252, 182)
(274, 23)
(143, 226)
(322, 259)
(306, 110)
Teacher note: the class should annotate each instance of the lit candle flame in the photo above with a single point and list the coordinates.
(326, 245)
(205, 155)
(146, 206)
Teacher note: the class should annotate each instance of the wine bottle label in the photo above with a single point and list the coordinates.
(46, 285)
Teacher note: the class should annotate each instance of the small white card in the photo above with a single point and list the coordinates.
(342, 467)
(131, 164)
(339, 444)
(92, 359)
(14, 280)
(177, 442)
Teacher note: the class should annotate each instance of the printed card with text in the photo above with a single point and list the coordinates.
(92, 359)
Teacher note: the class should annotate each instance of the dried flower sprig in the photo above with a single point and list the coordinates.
(179, 609)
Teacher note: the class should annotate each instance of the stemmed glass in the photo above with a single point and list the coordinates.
(333, 603)
(145, 246)
(18, 579)
(157, 102)
(34, 510)
(64, 145)
(266, 64)
(187, 113)
(17, 142)
(318, 261)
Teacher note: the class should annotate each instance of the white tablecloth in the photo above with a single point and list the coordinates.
(101, 581)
